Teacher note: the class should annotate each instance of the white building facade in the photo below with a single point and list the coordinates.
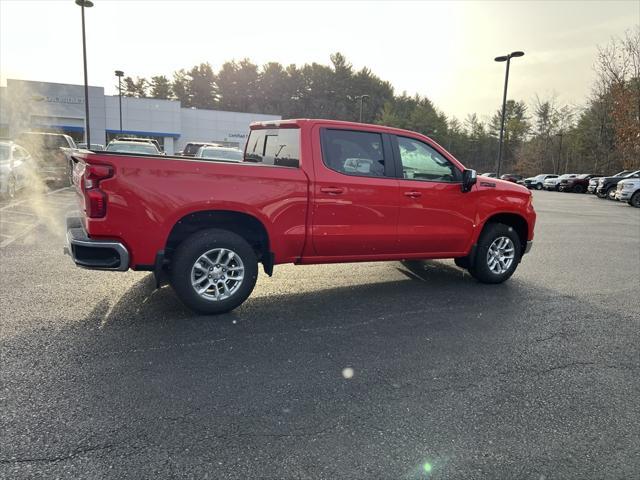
(53, 107)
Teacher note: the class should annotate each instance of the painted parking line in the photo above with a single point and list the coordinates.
(22, 202)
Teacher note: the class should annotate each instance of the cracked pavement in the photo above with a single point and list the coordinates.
(105, 377)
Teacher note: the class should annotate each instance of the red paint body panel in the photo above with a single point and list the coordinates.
(311, 214)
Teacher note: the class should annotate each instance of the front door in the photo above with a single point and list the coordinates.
(435, 216)
(355, 197)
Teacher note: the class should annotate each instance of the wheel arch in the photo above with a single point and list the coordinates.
(513, 220)
(243, 224)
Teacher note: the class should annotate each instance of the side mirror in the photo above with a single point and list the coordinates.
(469, 179)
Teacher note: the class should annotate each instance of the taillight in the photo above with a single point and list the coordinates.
(95, 199)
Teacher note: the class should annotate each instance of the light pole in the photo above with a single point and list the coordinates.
(361, 97)
(120, 74)
(505, 58)
(87, 4)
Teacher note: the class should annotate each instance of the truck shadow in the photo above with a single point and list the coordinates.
(427, 284)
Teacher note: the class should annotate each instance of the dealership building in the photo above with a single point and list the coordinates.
(54, 107)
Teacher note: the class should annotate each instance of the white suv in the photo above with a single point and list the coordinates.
(554, 183)
(629, 191)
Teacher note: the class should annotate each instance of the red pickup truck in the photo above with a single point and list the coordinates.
(306, 192)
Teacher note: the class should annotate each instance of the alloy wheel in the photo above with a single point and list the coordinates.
(500, 255)
(217, 274)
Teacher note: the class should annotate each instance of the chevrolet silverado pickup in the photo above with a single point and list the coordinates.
(305, 192)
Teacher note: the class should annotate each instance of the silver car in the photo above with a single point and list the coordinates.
(14, 163)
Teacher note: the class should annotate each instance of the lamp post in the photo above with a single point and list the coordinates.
(504, 58)
(120, 74)
(361, 97)
(87, 4)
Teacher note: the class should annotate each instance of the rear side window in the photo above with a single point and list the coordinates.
(276, 146)
(353, 153)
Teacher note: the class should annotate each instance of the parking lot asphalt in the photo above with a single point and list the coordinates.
(356, 371)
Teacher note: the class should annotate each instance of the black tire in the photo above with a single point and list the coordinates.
(191, 249)
(538, 186)
(610, 190)
(480, 269)
(578, 189)
(634, 201)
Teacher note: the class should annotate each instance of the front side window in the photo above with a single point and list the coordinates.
(353, 153)
(422, 162)
(277, 146)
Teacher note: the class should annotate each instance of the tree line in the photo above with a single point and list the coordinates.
(599, 136)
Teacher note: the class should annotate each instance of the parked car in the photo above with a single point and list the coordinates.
(607, 185)
(511, 177)
(51, 153)
(96, 147)
(537, 182)
(307, 192)
(554, 183)
(191, 148)
(577, 184)
(220, 153)
(490, 175)
(593, 183)
(121, 146)
(14, 165)
(141, 140)
(629, 191)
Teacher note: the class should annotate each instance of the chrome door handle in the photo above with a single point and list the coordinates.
(332, 190)
(412, 194)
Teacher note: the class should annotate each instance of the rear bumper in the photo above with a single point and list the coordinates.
(94, 254)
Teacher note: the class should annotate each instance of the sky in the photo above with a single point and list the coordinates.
(442, 50)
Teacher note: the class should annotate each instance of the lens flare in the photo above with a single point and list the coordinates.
(427, 467)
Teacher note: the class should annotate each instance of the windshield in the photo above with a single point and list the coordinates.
(584, 175)
(132, 147)
(221, 154)
(5, 152)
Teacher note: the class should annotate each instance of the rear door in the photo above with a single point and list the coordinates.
(435, 216)
(355, 193)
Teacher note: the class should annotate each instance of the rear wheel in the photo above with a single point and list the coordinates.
(214, 271)
(497, 254)
(634, 201)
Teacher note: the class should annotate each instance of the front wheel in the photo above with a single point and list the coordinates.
(214, 271)
(538, 186)
(497, 255)
(634, 201)
(578, 189)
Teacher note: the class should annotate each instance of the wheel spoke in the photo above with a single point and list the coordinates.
(200, 268)
(204, 288)
(220, 254)
(230, 257)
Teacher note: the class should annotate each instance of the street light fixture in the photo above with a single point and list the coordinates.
(361, 97)
(85, 4)
(504, 58)
(120, 74)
